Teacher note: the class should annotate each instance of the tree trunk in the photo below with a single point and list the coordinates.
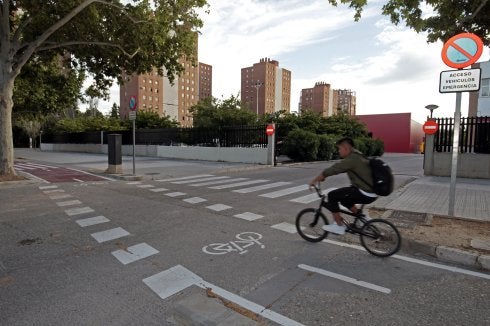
(6, 139)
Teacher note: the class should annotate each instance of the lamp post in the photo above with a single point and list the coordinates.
(431, 108)
(257, 86)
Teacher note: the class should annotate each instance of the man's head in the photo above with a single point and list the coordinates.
(345, 146)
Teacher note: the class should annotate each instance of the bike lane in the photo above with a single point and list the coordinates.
(55, 174)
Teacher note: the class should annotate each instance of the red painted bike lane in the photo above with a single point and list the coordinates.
(55, 174)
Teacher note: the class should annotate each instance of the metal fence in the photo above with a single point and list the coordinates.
(474, 135)
(236, 136)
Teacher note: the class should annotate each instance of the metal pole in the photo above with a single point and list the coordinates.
(134, 145)
(454, 164)
(257, 88)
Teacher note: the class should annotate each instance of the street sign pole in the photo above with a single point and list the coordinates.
(455, 153)
(133, 104)
(134, 145)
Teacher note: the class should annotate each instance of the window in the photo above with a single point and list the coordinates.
(485, 87)
(150, 98)
(144, 97)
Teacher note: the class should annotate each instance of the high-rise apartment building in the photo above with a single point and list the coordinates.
(265, 87)
(346, 101)
(317, 99)
(147, 89)
(205, 80)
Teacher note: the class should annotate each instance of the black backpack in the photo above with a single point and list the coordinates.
(382, 177)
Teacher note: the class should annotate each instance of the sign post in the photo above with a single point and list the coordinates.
(133, 104)
(459, 52)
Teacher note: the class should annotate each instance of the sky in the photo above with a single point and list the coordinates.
(391, 68)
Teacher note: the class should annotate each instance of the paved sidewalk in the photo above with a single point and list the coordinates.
(431, 195)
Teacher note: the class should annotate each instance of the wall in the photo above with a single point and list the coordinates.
(218, 154)
(416, 136)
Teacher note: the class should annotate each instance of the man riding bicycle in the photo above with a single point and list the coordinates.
(357, 167)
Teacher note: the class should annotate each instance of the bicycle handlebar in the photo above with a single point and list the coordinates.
(318, 190)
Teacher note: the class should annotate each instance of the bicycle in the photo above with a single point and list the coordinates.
(379, 237)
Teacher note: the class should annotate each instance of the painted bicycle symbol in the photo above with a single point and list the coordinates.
(243, 240)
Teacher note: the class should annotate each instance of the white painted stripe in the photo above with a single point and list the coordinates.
(249, 216)
(286, 227)
(134, 183)
(185, 178)
(217, 182)
(109, 235)
(68, 203)
(48, 187)
(94, 175)
(159, 189)
(306, 199)
(195, 200)
(134, 253)
(56, 197)
(262, 187)
(345, 279)
(199, 180)
(178, 278)
(145, 186)
(47, 192)
(175, 194)
(239, 184)
(218, 207)
(285, 192)
(18, 169)
(92, 221)
(78, 211)
(78, 180)
(40, 165)
(32, 176)
(25, 167)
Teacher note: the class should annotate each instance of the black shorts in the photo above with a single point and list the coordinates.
(348, 197)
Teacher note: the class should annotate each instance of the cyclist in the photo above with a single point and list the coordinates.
(360, 192)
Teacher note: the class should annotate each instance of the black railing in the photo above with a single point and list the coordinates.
(241, 136)
(474, 136)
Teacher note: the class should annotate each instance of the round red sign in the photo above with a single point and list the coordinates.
(462, 50)
(430, 127)
(269, 130)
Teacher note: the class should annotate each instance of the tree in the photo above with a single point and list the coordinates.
(102, 37)
(151, 120)
(451, 17)
(212, 112)
(32, 128)
(114, 111)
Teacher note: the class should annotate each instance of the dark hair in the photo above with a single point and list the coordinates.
(345, 140)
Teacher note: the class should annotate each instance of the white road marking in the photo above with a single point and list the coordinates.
(25, 167)
(239, 184)
(159, 189)
(145, 186)
(202, 184)
(109, 235)
(134, 253)
(194, 200)
(56, 197)
(47, 192)
(345, 278)
(78, 211)
(306, 199)
(78, 180)
(134, 183)
(262, 187)
(94, 175)
(68, 203)
(199, 180)
(286, 227)
(48, 187)
(285, 192)
(175, 194)
(249, 216)
(92, 221)
(218, 207)
(185, 178)
(178, 278)
(41, 166)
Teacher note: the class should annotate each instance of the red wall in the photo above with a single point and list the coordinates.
(399, 133)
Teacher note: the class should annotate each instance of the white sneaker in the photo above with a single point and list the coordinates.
(334, 228)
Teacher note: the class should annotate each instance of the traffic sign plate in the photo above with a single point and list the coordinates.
(430, 127)
(464, 80)
(462, 50)
(133, 103)
(269, 130)
(132, 115)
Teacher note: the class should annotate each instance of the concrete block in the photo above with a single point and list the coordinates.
(417, 246)
(484, 261)
(481, 244)
(456, 256)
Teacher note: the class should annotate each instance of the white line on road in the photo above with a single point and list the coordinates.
(41, 166)
(285, 192)
(48, 187)
(68, 203)
(92, 221)
(47, 192)
(345, 278)
(78, 211)
(159, 189)
(249, 216)
(262, 187)
(133, 183)
(109, 235)
(210, 183)
(78, 180)
(24, 166)
(239, 184)
(286, 227)
(56, 197)
(145, 186)
(134, 253)
(185, 178)
(218, 207)
(306, 199)
(178, 278)
(175, 194)
(199, 180)
(194, 200)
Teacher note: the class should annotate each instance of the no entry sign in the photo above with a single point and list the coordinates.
(462, 50)
(430, 127)
(269, 131)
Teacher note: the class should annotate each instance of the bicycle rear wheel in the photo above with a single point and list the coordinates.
(309, 224)
(380, 238)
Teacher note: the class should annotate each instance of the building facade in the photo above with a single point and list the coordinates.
(265, 87)
(345, 101)
(479, 104)
(317, 99)
(205, 81)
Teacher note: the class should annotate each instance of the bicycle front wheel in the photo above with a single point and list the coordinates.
(309, 224)
(380, 238)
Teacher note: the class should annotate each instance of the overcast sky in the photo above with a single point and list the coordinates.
(391, 68)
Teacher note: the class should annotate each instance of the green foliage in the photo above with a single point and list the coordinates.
(301, 145)
(114, 111)
(86, 123)
(369, 146)
(327, 149)
(451, 17)
(343, 125)
(151, 120)
(212, 112)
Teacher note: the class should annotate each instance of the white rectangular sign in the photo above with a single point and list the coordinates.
(463, 80)
(132, 115)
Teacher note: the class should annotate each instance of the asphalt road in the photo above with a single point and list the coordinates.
(123, 253)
